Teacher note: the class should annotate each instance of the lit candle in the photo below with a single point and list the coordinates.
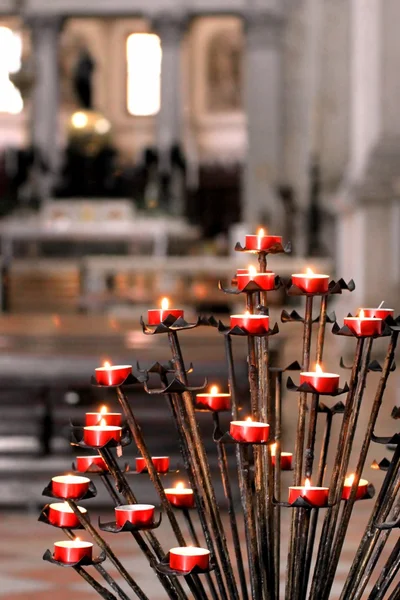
(214, 400)
(83, 463)
(69, 486)
(94, 418)
(72, 551)
(249, 431)
(316, 496)
(180, 496)
(112, 374)
(61, 515)
(137, 514)
(253, 324)
(324, 383)
(286, 458)
(310, 282)
(161, 464)
(262, 241)
(361, 489)
(265, 281)
(364, 326)
(379, 313)
(155, 316)
(188, 557)
(99, 435)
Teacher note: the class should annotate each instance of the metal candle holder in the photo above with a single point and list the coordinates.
(260, 481)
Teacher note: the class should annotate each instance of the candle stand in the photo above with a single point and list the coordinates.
(250, 456)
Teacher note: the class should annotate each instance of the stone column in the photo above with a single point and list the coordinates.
(45, 99)
(170, 28)
(263, 72)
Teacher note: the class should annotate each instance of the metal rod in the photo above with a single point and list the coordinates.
(224, 469)
(277, 479)
(102, 591)
(388, 573)
(107, 549)
(312, 433)
(321, 330)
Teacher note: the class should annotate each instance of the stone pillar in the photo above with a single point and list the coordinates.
(170, 28)
(45, 99)
(263, 72)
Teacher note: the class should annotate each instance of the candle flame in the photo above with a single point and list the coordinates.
(350, 480)
(180, 486)
(260, 232)
(318, 369)
(103, 410)
(361, 314)
(164, 304)
(214, 389)
(309, 271)
(273, 449)
(306, 486)
(106, 364)
(252, 271)
(247, 313)
(103, 423)
(249, 419)
(77, 539)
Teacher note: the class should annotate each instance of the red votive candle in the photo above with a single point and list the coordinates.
(112, 374)
(156, 315)
(137, 514)
(286, 459)
(161, 464)
(249, 431)
(253, 324)
(378, 313)
(213, 400)
(324, 383)
(61, 515)
(69, 486)
(363, 326)
(310, 282)
(242, 271)
(83, 463)
(266, 281)
(180, 496)
(189, 557)
(261, 241)
(94, 418)
(72, 551)
(99, 435)
(316, 496)
(361, 489)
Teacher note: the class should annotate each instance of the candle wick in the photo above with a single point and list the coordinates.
(381, 304)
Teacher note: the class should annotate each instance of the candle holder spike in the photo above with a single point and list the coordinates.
(274, 249)
(383, 465)
(389, 525)
(239, 331)
(395, 414)
(90, 493)
(112, 527)
(310, 389)
(251, 288)
(386, 440)
(84, 562)
(294, 366)
(162, 368)
(129, 381)
(225, 438)
(164, 568)
(300, 502)
(176, 387)
(346, 331)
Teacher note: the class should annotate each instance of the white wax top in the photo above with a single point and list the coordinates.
(249, 423)
(362, 319)
(103, 428)
(381, 308)
(257, 274)
(73, 544)
(213, 395)
(317, 374)
(189, 551)
(88, 456)
(284, 454)
(249, 317)
(361, 482)
(311, 276)
(154, 457)
(113, 368)
(104, 415)
(181, 491)
(135, 507)
(70, 479)
(311, 488)
(65, 508)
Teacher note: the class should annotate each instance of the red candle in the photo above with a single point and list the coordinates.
(378, 313)
(363, 326)
(137, 514)
(83, 463)
(62, 515)
(361, 489)
(242, 271)
(189, 557)
(253, 324)
(324, 383)
(310, 282)
(316, 496)
(214, 400)
(266, 281)
(94, 418)
(156, 315)
(249, 431)
(261, 241)
(72, 551)
(70, 486)
(161, 464)
(99, 435)
(286, 459)
(180, 496)
(112, 374)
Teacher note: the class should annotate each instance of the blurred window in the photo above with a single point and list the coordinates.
(143, 52)
(10, 62)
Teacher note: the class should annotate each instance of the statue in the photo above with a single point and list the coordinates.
(224, 72)
(82, 78)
